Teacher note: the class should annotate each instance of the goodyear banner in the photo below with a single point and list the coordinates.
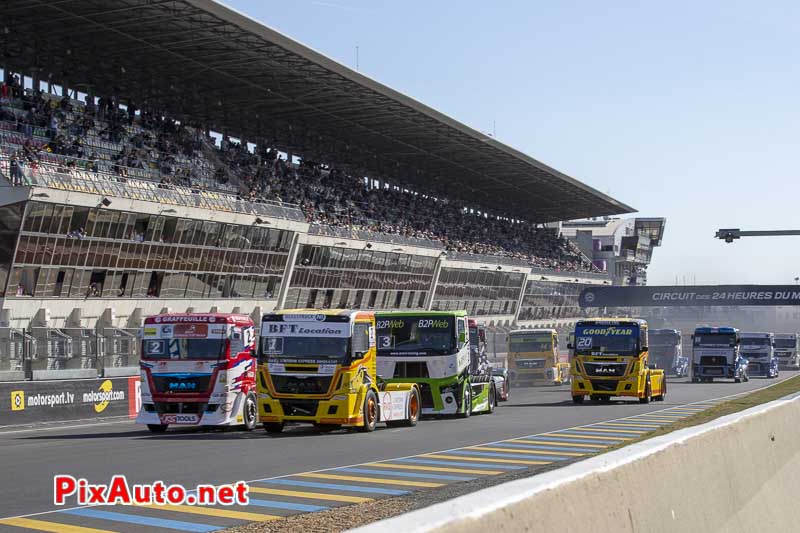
(690, 296)
(27, 402)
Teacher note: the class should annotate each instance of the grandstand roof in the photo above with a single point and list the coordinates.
(202, 60)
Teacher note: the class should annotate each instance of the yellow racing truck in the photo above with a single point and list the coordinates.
(319, 367)
(610, 359)
(533, 358)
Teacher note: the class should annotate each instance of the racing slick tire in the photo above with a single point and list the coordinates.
(370, 410)
(157, 428)
(250, 412)
(466, 401)
(596, 398)
(578, 399)
(492, 399)
(737, 380)
(273, 427)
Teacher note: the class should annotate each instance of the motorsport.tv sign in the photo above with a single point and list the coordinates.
(690, 296)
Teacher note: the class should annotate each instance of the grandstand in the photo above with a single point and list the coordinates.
(181, 156)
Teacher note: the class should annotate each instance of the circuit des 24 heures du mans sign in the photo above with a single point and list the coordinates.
(688, 296)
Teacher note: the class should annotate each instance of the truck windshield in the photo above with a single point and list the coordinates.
(531, 343)
(786, 343)
(663, 340)
(755, 341)
(715, 339)
(187, 349)
(305, 347)
(422, 336)
(607, 340)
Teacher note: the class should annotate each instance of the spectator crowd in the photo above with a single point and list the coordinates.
(103, 137)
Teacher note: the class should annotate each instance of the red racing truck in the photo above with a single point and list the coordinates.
(198, 369)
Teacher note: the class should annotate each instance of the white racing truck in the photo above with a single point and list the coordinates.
(759, 350)
(786, 350)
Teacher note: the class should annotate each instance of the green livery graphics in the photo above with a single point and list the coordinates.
(433, 350)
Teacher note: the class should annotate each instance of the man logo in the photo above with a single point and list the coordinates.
(17, 400)
(589, 297)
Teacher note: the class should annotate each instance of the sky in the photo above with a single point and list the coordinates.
(685, 110)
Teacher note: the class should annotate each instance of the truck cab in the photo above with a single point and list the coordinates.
(787, 350)
(198, 370)
(666, 351)
(533, 358)
(715, 354)
(610, 357)
(759, 350)
(319, 367)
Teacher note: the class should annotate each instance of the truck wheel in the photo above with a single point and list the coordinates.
(157, 428)
(273, 427)
(370, 413)
(250, 412)
(492, 398)
(737, 380)
(577, 399)
(648, 394)
(596, 398)
(466, 401)
(413, 408)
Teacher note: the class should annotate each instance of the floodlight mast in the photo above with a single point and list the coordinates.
(731, 234)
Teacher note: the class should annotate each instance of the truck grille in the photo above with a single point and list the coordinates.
(299, 407)
(712, 360)
(605, 369)
(756, 368)
(301, 385)
(605, 386)
(181, 383)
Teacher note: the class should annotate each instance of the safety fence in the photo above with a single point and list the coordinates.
(52, 353)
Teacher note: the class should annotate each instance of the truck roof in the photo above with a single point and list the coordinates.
(611, 321)
(756, 334)
(212, 318)
(540, 330)
(348, 314)
(658, 331)
(422, 313)
(786, 335)
(716, 329)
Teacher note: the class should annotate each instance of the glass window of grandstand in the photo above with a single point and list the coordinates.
(479, 292)
(328, 277)
(95, 252)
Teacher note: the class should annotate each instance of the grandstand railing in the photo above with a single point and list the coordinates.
(365, 235)
(49, 176)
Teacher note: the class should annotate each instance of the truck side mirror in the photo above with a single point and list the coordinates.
(645, 348)
(570, 346)
(252, 352)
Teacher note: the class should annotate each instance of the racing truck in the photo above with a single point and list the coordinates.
(759, 350)
(477, 346)
(715, 354)
(431, 349)
(666, 351)
(319, 367)
(786, 349)
(610, 358)
(533, 358)
(198, 370)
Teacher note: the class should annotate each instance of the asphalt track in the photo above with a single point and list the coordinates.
(538, 426)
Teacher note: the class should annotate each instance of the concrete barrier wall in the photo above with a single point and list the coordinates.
(740, 473)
